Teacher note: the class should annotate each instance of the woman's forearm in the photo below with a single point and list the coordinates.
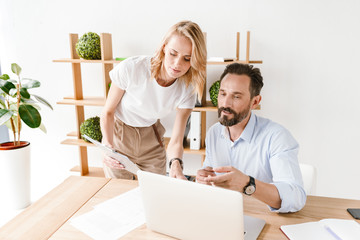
(175, 148)
(107, 127)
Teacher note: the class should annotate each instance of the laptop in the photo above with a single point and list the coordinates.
(189, 210)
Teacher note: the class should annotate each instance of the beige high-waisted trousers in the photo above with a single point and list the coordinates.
(141, 146)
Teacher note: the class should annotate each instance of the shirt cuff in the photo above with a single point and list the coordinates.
(292, 197)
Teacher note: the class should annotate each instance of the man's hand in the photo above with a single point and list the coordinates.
(176, 170)
(231, 179)
(112, 163)
(202, 174)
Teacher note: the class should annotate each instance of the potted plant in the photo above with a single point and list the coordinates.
(17, 106)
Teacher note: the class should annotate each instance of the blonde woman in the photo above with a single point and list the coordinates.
(145, 89)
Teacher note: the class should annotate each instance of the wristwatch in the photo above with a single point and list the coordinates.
(251, 187)
(180, 161)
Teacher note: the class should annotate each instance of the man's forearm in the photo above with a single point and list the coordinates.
(267, 193)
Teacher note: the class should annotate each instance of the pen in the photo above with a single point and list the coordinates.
(332, 232)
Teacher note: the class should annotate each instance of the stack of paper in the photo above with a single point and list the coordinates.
(114, 218)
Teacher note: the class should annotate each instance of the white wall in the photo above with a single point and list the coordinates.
(310, 52)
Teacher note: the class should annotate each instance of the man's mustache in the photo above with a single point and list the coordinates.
(226, 109)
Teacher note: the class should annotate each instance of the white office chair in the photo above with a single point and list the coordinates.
(308, 173)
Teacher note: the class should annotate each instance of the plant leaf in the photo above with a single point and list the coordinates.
(13, 92)
(28, 101)
(5, 115)
(30, 115)
(5, 77)
(24, 93)
(32, 103)
(29, 83)
(43, 101)
(43, 128)
(6, 86)
(15, 69)
(2, 103)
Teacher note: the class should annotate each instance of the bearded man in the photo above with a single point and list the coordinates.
(248, 153)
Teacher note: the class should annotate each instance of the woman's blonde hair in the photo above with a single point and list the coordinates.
(196, 74)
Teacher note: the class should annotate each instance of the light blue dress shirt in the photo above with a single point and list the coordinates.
(266, 151)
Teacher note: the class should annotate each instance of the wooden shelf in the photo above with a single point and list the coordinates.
(198, 152)
(86, 101)
(77, 142)
(80, 60)
(100, 101)
(187, 149)
(209, 107)
(80, 142)
(236, 61)
(72, 134)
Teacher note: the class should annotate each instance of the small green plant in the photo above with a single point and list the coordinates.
(214, 92)
(17, 105)
(91, 128)
(88, 46)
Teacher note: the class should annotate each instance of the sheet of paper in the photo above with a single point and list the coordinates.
(113, 218)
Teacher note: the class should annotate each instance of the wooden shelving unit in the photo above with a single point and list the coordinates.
(79, 101)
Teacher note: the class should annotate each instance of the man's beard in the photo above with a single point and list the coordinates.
(238, 117)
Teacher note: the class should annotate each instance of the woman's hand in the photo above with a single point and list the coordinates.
(112, 163)
(176, 170)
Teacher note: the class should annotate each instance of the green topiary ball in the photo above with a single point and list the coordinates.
(91, 128)
(214, 92)
(88, 46)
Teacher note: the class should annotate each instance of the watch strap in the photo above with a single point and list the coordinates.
(180, 161)
(251, 184)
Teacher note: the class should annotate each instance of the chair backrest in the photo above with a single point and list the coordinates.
(308, 173)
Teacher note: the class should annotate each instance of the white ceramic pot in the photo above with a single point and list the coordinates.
(15, 176)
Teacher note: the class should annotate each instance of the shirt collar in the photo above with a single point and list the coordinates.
(246, 135)
(249, 129)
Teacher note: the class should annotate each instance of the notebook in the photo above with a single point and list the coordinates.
(324, 229)
(189, 210)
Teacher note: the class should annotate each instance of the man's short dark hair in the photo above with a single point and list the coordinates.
(254, 74)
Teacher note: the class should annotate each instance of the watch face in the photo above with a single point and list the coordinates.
(250, 190)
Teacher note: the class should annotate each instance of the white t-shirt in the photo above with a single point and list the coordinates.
(144, 100)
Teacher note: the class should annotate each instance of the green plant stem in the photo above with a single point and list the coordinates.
(11, 121)
(18, 105)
